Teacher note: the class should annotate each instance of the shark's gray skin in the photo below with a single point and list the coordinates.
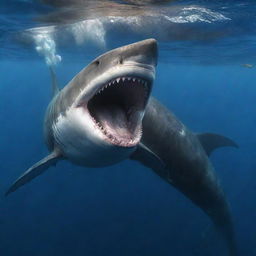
(180, 157)
(98, 119)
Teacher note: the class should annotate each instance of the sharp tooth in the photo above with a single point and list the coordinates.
(133, 79)
(118, 79)
(129, 78)
(123, 79)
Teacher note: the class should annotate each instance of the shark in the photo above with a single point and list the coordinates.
(106, 114)
(181, 158)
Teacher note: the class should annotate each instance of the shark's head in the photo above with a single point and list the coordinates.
(103, 124)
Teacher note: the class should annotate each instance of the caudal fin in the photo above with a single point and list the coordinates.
(231, 241)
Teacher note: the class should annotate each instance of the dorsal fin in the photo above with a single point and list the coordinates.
(55, 87)
(212, 141)
(35, 170)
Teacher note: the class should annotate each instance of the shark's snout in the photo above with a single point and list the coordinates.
(144, 52)
(118, 103)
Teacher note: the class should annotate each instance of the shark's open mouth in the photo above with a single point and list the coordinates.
(118, 108)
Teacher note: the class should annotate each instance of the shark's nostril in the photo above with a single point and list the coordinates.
(121, 60)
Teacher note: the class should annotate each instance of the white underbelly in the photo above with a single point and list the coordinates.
(83, 143)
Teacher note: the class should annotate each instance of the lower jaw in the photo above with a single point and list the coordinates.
(123, 142)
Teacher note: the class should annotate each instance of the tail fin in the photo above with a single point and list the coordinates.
(229, 236)
(222, 219)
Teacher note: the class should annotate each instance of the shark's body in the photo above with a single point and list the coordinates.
(98, 119)
(180, 157)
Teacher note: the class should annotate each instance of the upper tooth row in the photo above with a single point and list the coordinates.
(123, 79)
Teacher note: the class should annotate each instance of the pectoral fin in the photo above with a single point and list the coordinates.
(150, 159)
(211, 141)
(35, 170)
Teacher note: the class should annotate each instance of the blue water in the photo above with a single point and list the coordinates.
(206, 76)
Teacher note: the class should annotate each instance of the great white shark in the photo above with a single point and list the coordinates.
(105, 114)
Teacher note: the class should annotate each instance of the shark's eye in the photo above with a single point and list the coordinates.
(97, 62)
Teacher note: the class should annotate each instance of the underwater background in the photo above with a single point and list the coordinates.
(206, 75)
